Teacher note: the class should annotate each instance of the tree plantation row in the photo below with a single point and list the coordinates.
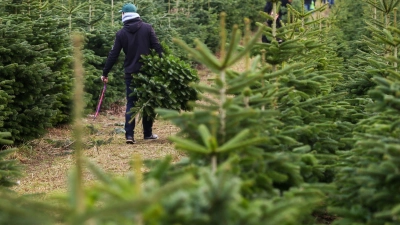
(36, 54)
(308, 129)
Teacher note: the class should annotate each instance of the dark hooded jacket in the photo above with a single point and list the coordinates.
(136, 38)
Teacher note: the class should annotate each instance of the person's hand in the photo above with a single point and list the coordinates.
(276, 16)
(104, 79)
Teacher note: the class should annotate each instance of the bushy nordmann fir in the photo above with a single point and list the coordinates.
(29, 80)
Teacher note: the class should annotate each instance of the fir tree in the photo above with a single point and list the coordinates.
(350, 17)
(367, 183)
(313, 114)
(52, 33)
(31, 108)
(163, 82)
(239, 123)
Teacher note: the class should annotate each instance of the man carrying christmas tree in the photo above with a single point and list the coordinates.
(136, 38)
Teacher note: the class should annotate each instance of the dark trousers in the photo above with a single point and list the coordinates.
(130, 127)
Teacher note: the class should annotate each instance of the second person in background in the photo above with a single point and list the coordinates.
(268, 9)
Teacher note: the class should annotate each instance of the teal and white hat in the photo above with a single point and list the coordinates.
(129, 7)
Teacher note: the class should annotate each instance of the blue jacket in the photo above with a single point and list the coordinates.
(136, 38)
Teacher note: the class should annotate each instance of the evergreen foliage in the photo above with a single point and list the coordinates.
(351, 17)
(4, 100)
(163, 83)
(367, 183)
(317, 107)
(9, 168)
(208, 199)
(313, 114)
(234, 122)
(50, 31)
(33, 103)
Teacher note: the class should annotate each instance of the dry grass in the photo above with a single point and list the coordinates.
(48, 160)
